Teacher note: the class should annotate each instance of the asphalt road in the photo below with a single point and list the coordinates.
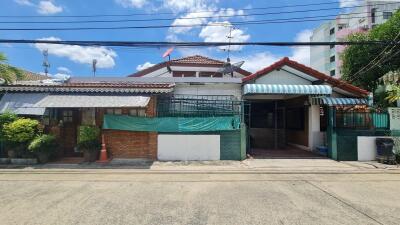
(105, 197)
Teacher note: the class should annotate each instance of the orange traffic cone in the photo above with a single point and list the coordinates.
(103, 152)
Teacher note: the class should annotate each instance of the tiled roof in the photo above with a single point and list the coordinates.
(196, 60)
(112, 87)
(310, 71)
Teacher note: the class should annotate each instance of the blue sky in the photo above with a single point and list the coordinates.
(120, 61)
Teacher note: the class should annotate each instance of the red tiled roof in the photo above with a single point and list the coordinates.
(195, 60)
(125, 84)
(310, 71)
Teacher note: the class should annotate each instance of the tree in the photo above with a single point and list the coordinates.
(9, 73)
(356, 57)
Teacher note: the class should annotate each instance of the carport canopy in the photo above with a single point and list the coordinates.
(22, 103)
(289, 89)
(93, 101)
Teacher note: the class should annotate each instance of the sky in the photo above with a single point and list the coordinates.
(120, 61)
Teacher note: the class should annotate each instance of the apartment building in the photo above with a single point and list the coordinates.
(326, 59)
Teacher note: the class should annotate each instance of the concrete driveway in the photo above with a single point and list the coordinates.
(128, 197)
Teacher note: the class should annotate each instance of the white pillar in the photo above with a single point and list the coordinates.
(314, 135)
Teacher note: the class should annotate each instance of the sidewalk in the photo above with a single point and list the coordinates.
(246, 166)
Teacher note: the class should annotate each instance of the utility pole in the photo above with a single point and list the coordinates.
(94, 64)
(46, 63)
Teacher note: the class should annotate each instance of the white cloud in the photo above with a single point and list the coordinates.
(63, 69)
(187, 20)
(302, 54)
(144, 66)
(214, 32)
(256, 61)
(84, 55)
(187, 5)
(132, 3)
(24, 2)
(48, 7)
(350, 3)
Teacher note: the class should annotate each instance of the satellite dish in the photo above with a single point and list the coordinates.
(229, 68)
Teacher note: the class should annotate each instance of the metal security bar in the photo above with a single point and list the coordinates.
(362, 120)
(198, 106)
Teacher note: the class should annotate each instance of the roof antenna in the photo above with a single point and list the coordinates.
(94, 64)
(46, 63)
(229, 41)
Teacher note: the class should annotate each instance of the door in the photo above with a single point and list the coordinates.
(69, 132)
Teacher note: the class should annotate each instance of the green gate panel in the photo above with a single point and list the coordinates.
(347, 148)
(231, 148)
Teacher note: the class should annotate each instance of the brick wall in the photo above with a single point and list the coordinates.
(129, 144)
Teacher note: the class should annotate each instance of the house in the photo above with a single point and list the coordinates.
(286, 108)
(289, 107)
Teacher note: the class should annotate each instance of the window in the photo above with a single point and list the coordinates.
(67, 116)
(137, 112)
(210, 74)
(331, 46)
(333, 72)
(114, 111)
(332, 59)
(184, 74)
(387, 15)
(332, 31)
(373, 15)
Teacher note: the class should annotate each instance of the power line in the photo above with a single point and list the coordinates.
(158, 44)
(191, 18)
(172, 13)
(236, 23)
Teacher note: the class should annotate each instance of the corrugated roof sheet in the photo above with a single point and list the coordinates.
(91, 101)
(22, 103)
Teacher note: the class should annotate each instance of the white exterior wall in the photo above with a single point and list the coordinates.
(315, 136)
(188, 147)
(163, 72)
(209, 89)
(281, 77)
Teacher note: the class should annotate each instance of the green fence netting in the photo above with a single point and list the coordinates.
(171, 124)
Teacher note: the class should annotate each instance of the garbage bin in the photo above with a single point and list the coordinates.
(384, 149)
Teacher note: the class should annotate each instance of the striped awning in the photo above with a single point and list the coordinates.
(287, 89)
(330, 101)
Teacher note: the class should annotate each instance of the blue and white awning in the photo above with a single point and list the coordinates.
(288, 89)
(330, 101)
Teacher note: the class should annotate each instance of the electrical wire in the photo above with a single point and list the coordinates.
(172, 13)
(190, 18)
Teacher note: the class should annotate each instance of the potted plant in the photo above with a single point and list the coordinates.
(89, 142)
(43, 146)
(18, 134)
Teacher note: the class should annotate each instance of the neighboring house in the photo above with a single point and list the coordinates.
(191, 66)
(62, 108)
(326, 59)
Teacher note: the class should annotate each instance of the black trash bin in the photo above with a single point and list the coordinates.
(384, 150)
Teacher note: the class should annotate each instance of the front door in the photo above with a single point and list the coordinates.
(69, 132)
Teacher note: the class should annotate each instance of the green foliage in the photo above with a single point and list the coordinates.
(44, 143)
(355, 57)
(89, 138)
(394, 94)
(9, 73)
(6, 118)
(21, 131)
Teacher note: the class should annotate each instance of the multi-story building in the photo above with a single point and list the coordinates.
(326, 59)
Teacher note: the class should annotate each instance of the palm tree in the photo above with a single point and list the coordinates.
(9, 73)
